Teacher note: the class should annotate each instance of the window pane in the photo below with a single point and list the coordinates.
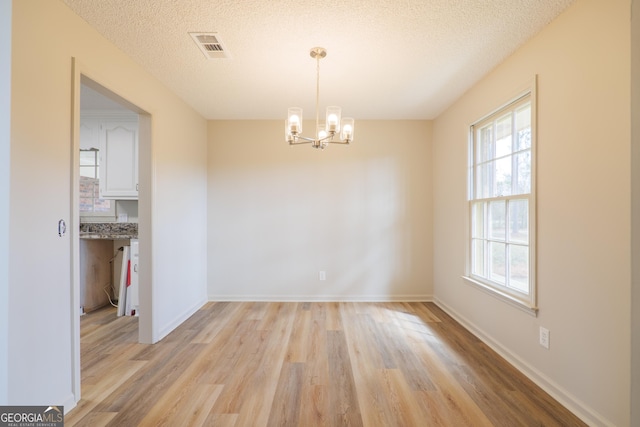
(519, 221)
(502, 177)
(497, 217)
(523, 127)
(484, 146)
(497, 262)
(477, 224)
(523, 173)
(524, 139)
(87, 158)
(519, 268)
(477, 255)
(483, 180)
(88, 171)
(503, 136)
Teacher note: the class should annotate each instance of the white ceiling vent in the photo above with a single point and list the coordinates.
(210, 45)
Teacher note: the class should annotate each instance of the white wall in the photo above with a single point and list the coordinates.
(173, 175)
(280, 214)
(179, 218)
(583, 244)
(5, 134)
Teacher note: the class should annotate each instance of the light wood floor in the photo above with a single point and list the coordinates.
(303, 364)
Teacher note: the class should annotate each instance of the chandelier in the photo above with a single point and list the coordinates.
(325, 133)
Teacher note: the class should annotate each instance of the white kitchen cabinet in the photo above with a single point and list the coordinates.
(89, 133)
(119, 158)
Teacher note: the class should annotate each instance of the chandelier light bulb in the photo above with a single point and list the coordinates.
(294, 122)
(348, 126)
(332, 121)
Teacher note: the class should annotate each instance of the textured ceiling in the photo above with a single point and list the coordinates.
(387, 59)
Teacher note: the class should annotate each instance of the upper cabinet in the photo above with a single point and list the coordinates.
(119, 159)
(116, 137)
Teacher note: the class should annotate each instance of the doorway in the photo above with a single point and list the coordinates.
(98, 96)
(108, 203)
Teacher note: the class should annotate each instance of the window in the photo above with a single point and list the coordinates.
(501, 236)
(90, 201)
(89, 162)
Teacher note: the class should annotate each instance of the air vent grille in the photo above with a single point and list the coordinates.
(210, 45)
(213, 47)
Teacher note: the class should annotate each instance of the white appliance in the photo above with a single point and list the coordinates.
(129, 282)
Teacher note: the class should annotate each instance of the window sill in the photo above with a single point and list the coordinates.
(503, 296)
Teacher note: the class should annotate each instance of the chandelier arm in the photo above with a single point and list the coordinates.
(342, 142)
(328, 138)
(303, 138)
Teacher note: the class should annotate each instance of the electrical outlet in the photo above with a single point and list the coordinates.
(322, 275)
(544, 337)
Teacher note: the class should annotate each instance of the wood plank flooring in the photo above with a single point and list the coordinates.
(305, 364)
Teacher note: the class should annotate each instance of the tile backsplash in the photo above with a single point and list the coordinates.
(90, 201)
(96, 210)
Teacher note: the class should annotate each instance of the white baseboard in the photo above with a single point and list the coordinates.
(178, 320)
(69, 403)
(323, 298)
(566, 399)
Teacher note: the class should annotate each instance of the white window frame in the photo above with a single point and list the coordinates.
(520, 300)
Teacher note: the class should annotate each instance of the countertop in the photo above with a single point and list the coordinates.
(109, 230)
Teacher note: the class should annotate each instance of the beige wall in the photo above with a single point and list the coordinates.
(583, 244)
(280, 214)
(635, 213)
(173, 176)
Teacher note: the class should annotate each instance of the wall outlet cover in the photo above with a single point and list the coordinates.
(544, 337)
